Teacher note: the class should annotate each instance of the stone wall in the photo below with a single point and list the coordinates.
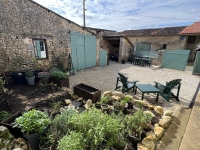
(173, 42)
(126, 50)
(23, 20)
(192, 47)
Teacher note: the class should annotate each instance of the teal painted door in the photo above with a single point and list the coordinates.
(103, 58)
(83, 50)
(90, 51)
(80, 56)
(175, 59)
(196, 69)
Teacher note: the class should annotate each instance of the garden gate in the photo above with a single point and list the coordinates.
(175, 59)
(103, 58)
(83, 49)
(196, 69)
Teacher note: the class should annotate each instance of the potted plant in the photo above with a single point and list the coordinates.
(127, 100)
(60, 78)
(32, 123)
(16, 68)
(135, 124)
(123, 60)
(30, 78)
(116, 107)
(44, 77)
(46, 139)
(104, 103)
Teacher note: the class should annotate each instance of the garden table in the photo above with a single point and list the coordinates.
(147, 88)
(142, 60)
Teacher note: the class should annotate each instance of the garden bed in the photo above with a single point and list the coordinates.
(42, 97)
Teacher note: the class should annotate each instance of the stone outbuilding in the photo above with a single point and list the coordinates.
(122, 44)
(38, 34)
(192, 35)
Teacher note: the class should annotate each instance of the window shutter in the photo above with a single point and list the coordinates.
(38, 48)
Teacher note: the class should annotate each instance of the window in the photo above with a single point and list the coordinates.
(40, 48)
(164, 46)
(143, 46)
(191, 39)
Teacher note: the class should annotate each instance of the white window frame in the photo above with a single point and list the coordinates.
(40, 49)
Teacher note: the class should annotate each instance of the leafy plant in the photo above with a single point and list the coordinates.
(4, 115)
(17, 63)
(35, 64)
(97, 128)
(53, 69)
(126, 99)
(58, 60)
(46, 139)
(56, 106)
(59, 75)
(106, 99)
(72, 141)
(137, 122)
(32, 121)
(117, 105)
(59, 124)
(29, 74)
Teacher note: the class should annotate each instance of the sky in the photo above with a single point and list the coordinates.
(120, 15)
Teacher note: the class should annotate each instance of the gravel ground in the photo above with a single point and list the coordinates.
(104, 79)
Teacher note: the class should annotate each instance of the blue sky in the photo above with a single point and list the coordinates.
(122, 15)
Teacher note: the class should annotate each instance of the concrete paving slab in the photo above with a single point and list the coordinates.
(174, 134)
(191, 138)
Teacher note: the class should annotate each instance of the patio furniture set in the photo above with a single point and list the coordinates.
(164, 90)
(142, 61)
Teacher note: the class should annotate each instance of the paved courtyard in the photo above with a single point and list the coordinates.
(104, 79)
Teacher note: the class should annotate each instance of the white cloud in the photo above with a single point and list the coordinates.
(127, 14)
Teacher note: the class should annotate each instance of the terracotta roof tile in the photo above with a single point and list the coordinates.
(155, 31)
(193, 29)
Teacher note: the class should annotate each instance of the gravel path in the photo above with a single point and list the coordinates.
(104, 79)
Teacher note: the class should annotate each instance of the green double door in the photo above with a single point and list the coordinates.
(83, 49)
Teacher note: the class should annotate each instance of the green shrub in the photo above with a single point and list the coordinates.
(97, 128)
(33, 121)
(137, 122)
(106, 99)
(29, 74)
(54, 69)
(60, 123)
(72, 141)
(4, 115)
(59, 75)
(46, 139)
(126, 99)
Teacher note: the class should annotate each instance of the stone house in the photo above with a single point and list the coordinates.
(192, 36)
(36, 33)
